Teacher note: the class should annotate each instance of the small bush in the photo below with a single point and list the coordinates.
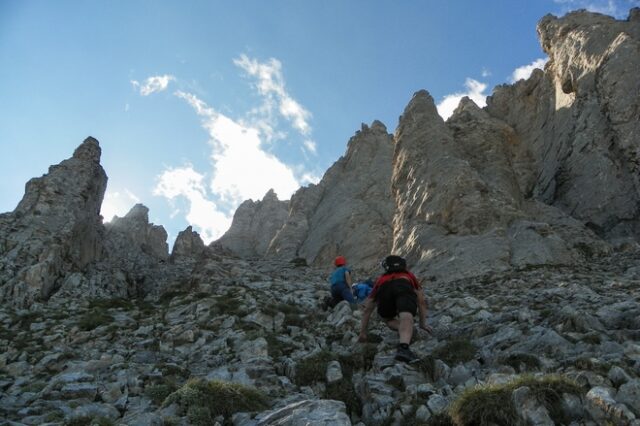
(548, 391)
(277, 347)
(104, 304)
(158, 393)
(312, 369)
(54, 416)
(360, 359)
(24, 321)
(485, 405)
(166, 298)
(440, 419)
(519, 360)
(428, 366)
(344, 391)
(93, 319)
(203, 400)
(592, 364)
(593, 339)
(299, 262)
(230, 304)
(456, 351)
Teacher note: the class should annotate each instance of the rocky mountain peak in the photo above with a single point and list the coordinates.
(270, 196)
(521, 219)
(89, 150)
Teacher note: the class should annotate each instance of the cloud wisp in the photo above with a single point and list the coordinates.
(523, 72)
(154, 84)
(475, 91)
(202, 213)
(616, 8)
(271, 86)
(241, 166)
(236, 150)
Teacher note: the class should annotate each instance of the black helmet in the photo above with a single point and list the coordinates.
(394, 264)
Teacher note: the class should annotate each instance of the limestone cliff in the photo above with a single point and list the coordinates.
(580, 121)
(56, 228)
(460, 207)
(254, 226)
(349, 212)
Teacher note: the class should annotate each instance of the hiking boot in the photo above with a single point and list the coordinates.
(405, 355)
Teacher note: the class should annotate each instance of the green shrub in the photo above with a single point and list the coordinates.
(359, 359)
(427, 365)
(299, 262)
(94, 318)
(484, 405)
(166, 298)
(203, 400)
(592, 338)
(312, 369)
(230, 304)
(456, 351)
(277, 347)
(54, 417)
(440, 419)
(104, 304)
(158, 393)
(24, 321)
(518, 360)
(344, 391)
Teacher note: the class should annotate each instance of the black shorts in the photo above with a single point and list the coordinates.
(394, 297)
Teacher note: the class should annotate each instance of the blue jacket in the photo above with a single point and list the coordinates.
(361, 291)
(337, 276)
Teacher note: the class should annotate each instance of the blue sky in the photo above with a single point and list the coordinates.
(199, 105)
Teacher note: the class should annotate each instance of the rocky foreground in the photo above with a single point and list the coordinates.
(549, 345)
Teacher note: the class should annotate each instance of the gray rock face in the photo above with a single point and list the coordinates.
(56, 228)
(461, 208)
(349, 212)
(254, 225)
(579, 120)
(187, 247)
(134, 229)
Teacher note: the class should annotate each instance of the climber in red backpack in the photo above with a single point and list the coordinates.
(398, 296)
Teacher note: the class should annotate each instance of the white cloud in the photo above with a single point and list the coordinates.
(153, 84)
(241, 168)
(311, 146)
(486, 72)
(270, 84)
(117, 204)
(615, 8)
(523, 72)
(203, 213)
(475, 91)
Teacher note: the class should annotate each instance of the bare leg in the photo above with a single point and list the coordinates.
(393, 324)
(405, 327)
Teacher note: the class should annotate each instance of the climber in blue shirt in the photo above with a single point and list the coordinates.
(341, 281)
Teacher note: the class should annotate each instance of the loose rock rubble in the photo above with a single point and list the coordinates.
(261, 326)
